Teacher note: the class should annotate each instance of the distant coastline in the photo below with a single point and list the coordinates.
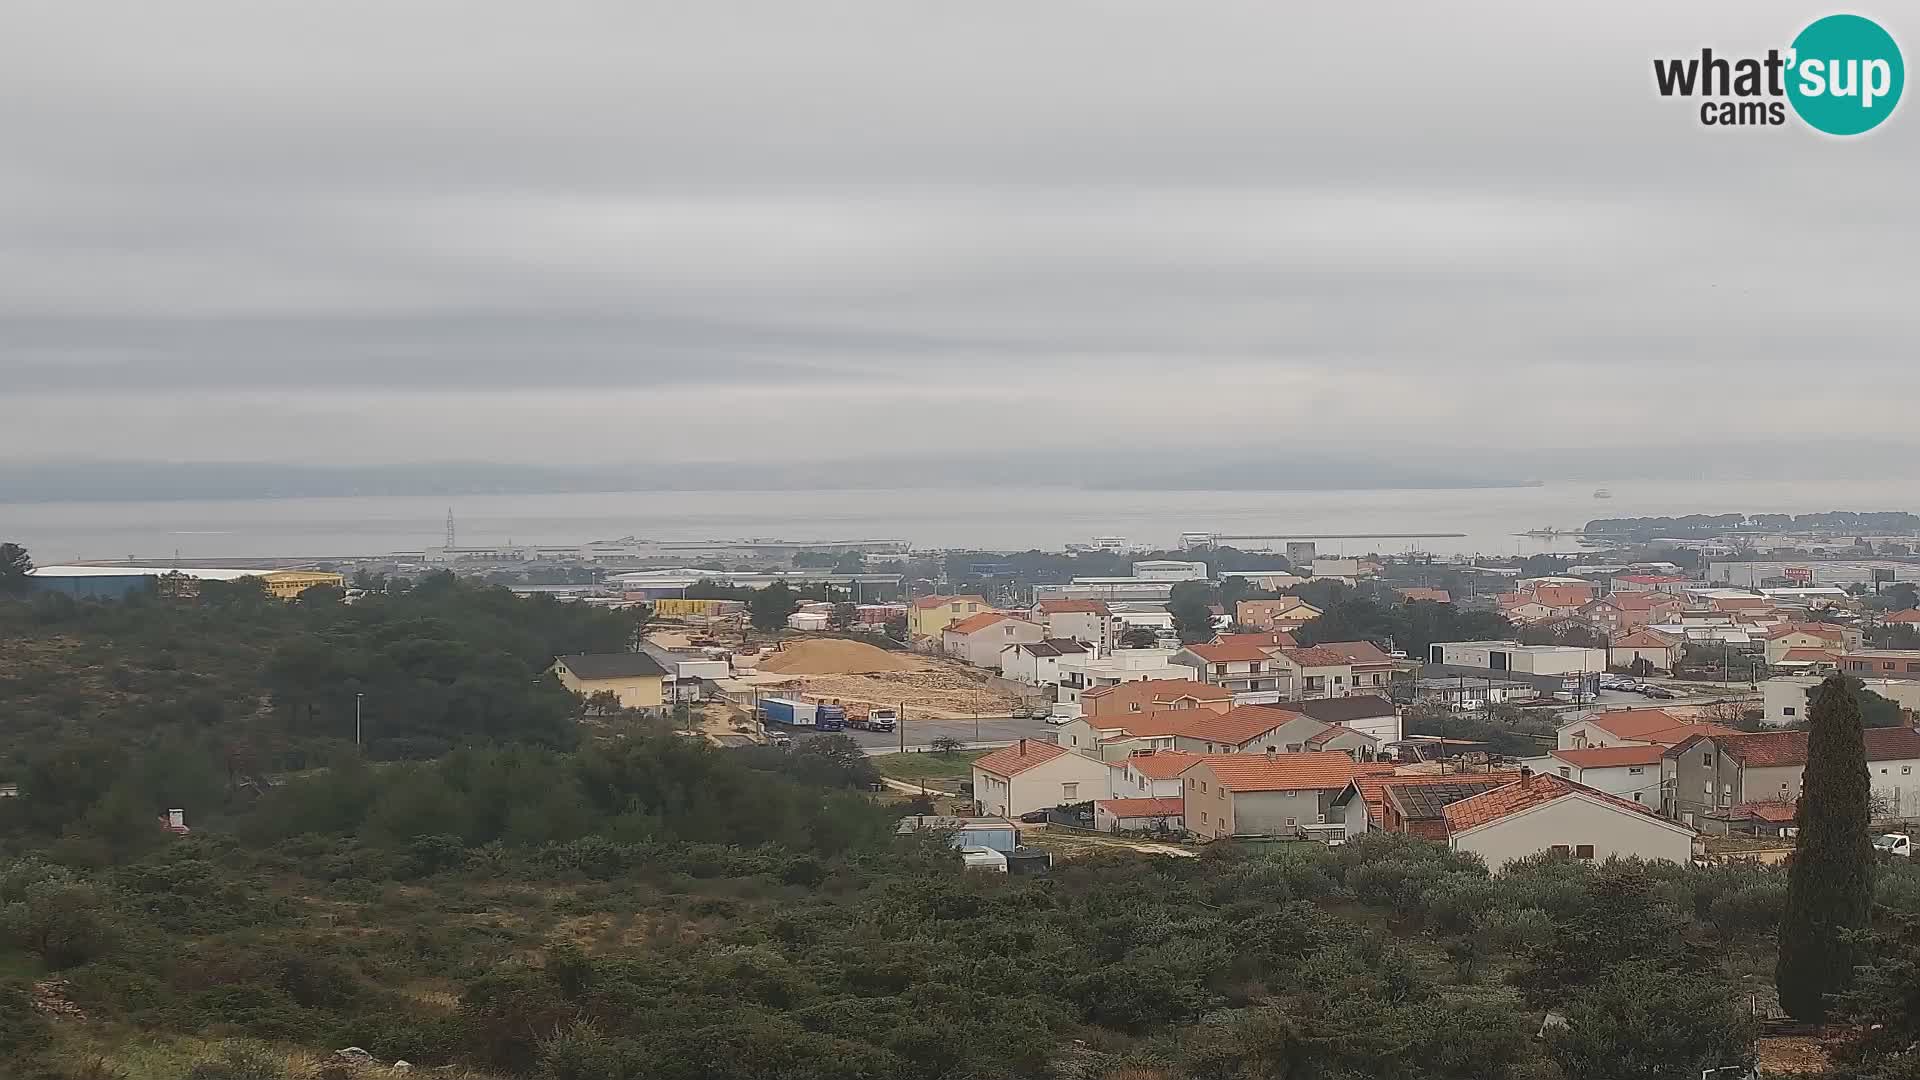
(110, 482)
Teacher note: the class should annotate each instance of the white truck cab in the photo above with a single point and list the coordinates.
(1896, 844)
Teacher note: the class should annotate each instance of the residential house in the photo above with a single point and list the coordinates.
(1080, 674)
(1364, 806)
(1623, 612)
(1909, 617)
(635, 678)
(1881, 663)
(1467, 695)
(1783, 638)
(1263, 794)
(1784, 697)
(1285, 613)
(1666, 583)
(1564, 598)
(1545, 812)
(1244, 729)
(1154, 695)
(1319, 671)
(1510, 657)
(1414, 593)
(1089, 622)
(1709, 774)
(927, 616)
(978, 639)
(1139, 815)
(1522, 608)
(1631, 772)
(1357, 745)
(1146, 774)
(1374, 715)
(1033, 775)
(1646, 644)
(1037, 663)
(1248, 669)
(1632, 727)
(1369, 670)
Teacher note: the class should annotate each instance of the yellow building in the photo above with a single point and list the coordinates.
(930, 615)
(289, 584)
(670, 608)
(635, 678)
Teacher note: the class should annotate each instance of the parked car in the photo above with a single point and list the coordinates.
(1899, 845)
(1059, 721)
(1035, 817)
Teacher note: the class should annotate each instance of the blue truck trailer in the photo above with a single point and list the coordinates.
(794, 713)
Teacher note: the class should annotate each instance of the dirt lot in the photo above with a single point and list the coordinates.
(946, 690)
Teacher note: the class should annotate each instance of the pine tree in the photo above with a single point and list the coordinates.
(1830, 885)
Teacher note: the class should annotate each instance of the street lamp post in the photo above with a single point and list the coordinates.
(357, 697)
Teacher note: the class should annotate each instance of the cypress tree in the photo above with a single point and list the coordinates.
(1830, 884)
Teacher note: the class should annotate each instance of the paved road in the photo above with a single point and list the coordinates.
(921, 733)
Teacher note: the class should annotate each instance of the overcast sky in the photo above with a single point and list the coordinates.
(597, 232)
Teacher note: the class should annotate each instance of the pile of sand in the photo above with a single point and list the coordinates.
(836, 656)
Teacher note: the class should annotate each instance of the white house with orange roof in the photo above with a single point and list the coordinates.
(1630, 772)
(1033, 775)
(1153, 695)
(1321, 671)
(1243, 729)
(1632, 727)
(1263, 794)
(1152, 774)
(1645, 644)
(1548, 812)
(979, 639)
(1824, 637)
(1243, 664)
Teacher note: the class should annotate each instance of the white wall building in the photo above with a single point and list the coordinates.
(1078, 674)
(1515, 657)
(1169, 570)
(1037, 663)
(1031, 775)
(1546, 812)
(1784, 697)
(1630, 772)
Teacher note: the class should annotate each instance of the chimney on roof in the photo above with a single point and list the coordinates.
(1023, 748)
(1525, 772)
(1272, 754)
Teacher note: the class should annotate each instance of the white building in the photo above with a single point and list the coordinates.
(1324, 567)
(1037, 663)
(1546, 812)
(1630, 772)
(1169, 570)
(1032, 775)
(979, 638)
(1088, 621)
(1079, 674)
(1784, 697)
(1515, 657)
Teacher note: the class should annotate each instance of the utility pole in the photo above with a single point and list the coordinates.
(357, 698)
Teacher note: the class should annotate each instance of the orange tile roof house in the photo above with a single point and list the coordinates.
(1909, 617)
(1710, 774)
(1631, 772)
(1244, 664)
(1139, 815)
(1365, 806)
(1083, 620)
(1663, 652)
(1034, 775)
(1150, 695)
(978, 639)
(1152, 773)
(1543, 812)
(1882, 663)
(1244, 729)
(1631, 727)
(1263, 794)
(1283, 613)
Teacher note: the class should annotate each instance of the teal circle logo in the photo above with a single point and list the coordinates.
(1846, 75)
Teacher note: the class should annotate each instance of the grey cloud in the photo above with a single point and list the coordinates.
(473, 229)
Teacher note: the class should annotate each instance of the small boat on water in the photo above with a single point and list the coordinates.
(1547, 532)
(1602, 493)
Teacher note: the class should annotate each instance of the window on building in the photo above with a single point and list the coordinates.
(1906, 770)
(1636, 796)
(1584, 851)
(1789, 711)
(1562, 849)
(1289, 823)
(1635, 770)
(1706, 757)
(1203, 817)
(1069, 791)
(1566, 772)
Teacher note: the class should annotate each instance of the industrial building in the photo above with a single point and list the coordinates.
(119, 582)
